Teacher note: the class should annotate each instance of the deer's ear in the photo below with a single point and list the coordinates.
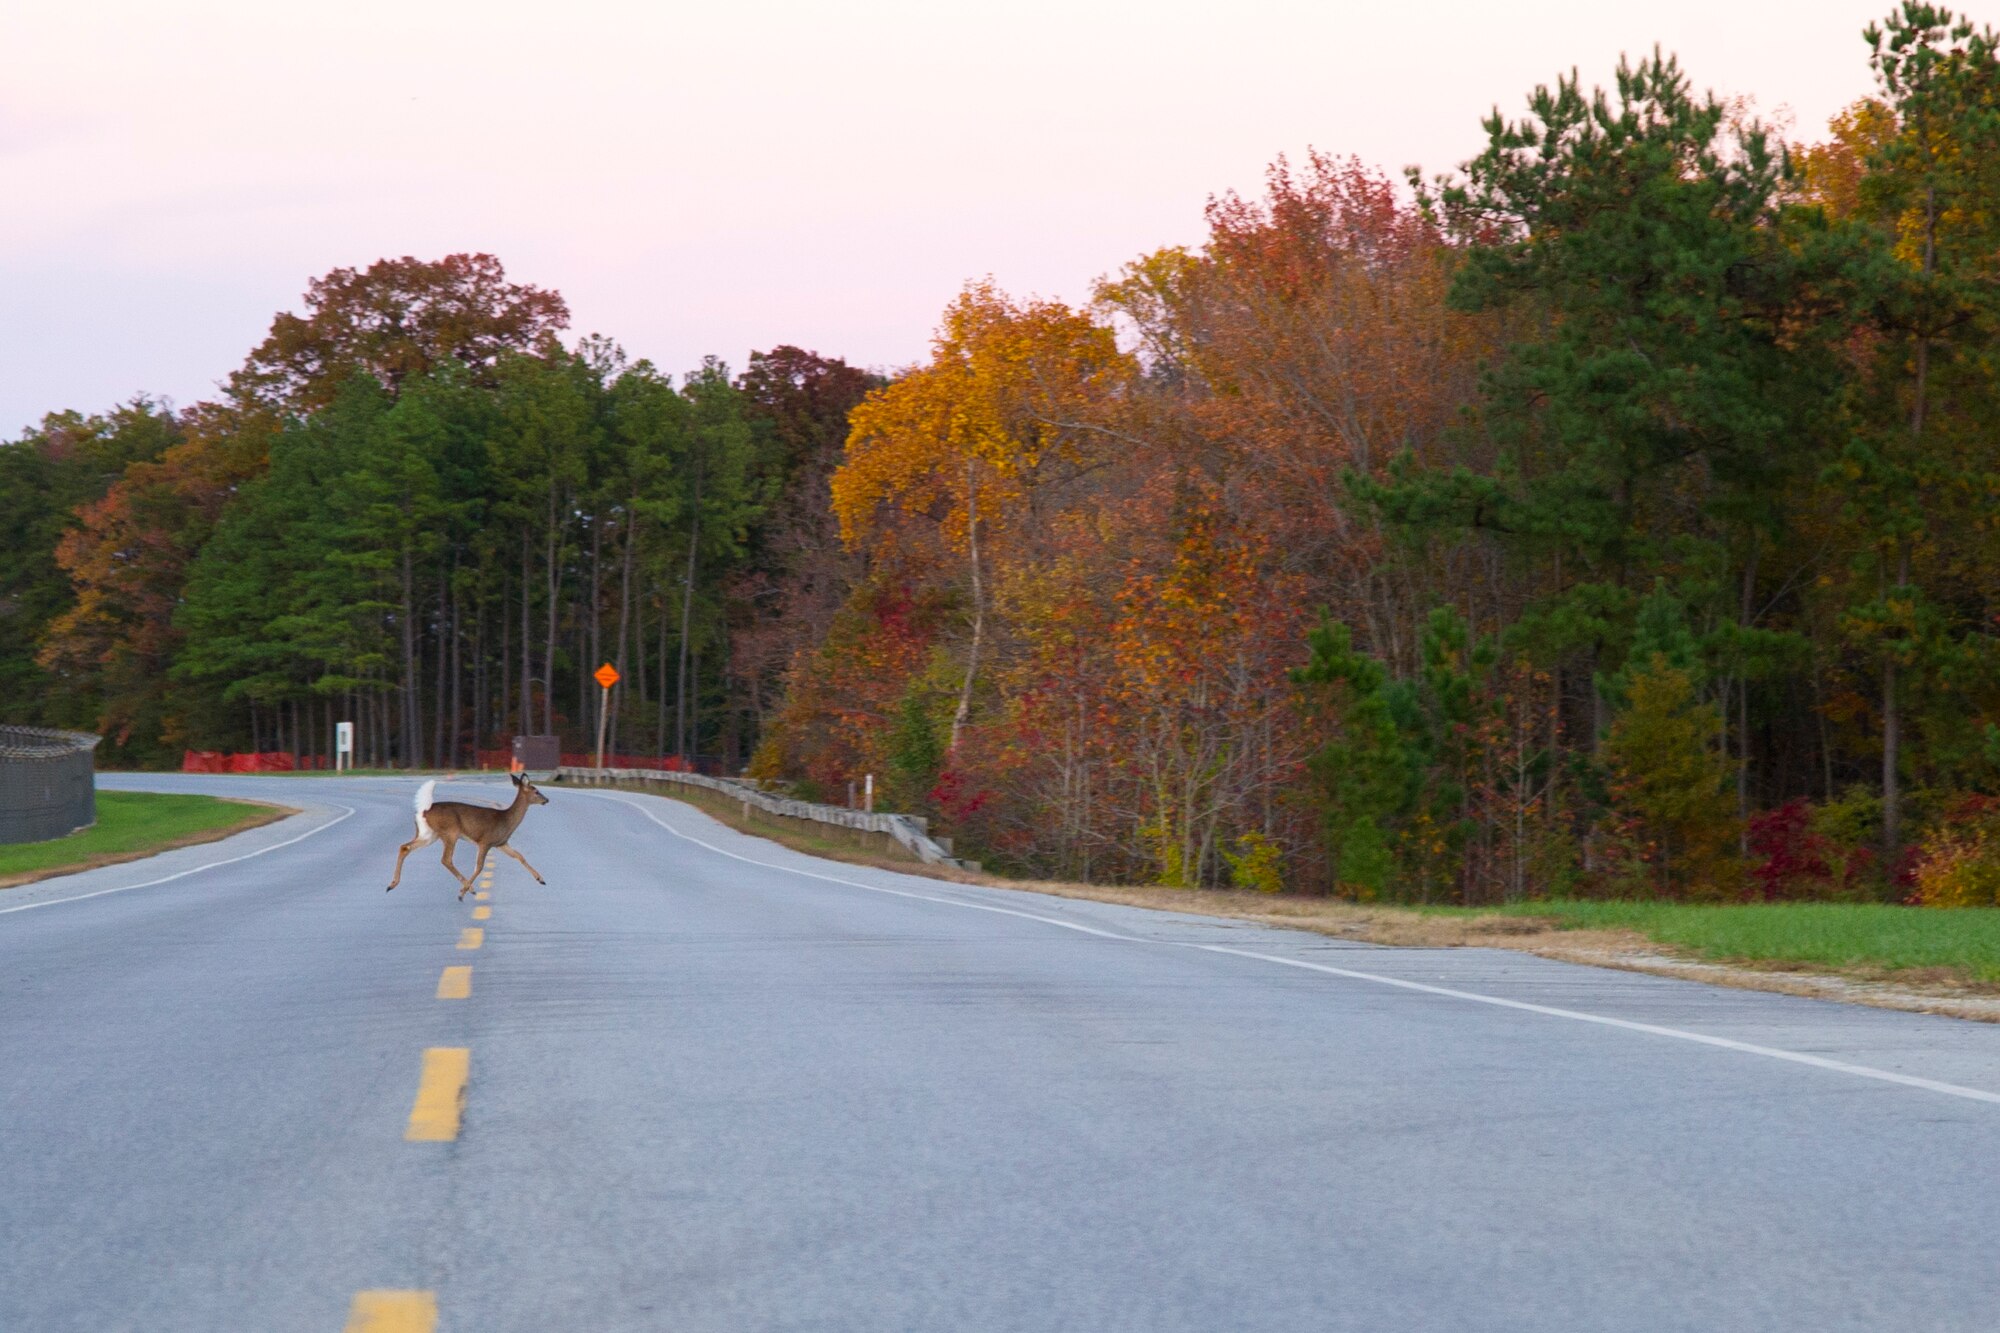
(516, 777)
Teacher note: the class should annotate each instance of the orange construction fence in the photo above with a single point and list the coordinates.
(217, 761)
(672, 763)
(277, 761)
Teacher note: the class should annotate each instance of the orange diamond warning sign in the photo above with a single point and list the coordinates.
(607, 675)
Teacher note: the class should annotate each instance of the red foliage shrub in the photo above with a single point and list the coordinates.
(1797, 861)
(958, 797)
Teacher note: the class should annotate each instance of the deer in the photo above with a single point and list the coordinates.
(485, 826)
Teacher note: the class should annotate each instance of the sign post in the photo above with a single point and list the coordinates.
(343, 746)
(607, 676)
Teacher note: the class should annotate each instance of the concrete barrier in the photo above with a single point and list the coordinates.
(912, 832)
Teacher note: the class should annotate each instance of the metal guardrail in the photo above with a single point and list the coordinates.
(48, 783)
(912, 832)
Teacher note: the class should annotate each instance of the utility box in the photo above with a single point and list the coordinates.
(48, 783)
(538, 752)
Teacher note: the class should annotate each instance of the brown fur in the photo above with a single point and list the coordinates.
(485, 826)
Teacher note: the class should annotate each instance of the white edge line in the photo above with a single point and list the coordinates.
(1474, 997)
(1654, 1029)
(196, 870)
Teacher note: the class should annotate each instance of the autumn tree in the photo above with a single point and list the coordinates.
(68, 461)
(1197, 655)
(968, 441)
(1307, 339)
(1670, 774)
(397, 320)
(127, 558)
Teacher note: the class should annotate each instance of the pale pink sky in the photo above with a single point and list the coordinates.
(723, 176)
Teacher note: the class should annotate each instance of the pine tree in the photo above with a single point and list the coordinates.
(1917, 471)
(1368, 773)
(1665, 398)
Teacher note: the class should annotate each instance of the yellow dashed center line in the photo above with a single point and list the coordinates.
(440, 1095)
(481, 913)
(392, 1312)
(480, 896)
(455, 984)
(471, 937)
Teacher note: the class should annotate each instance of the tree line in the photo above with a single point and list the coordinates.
(415, 508)
(1612, 514)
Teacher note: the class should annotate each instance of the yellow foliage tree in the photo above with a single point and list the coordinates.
(1831, 172)
(1670, 773)
(1009, 399)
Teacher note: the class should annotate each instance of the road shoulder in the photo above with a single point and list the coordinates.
(1620, 950)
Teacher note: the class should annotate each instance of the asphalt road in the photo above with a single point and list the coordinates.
(710, 1084)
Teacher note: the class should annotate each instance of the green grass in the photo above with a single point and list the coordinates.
(1965, 942)
(131, 824)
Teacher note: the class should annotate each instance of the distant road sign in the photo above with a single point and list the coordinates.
(607, 675)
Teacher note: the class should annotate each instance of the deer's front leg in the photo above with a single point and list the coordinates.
(478, 869)
(451, 845)
(524, 861)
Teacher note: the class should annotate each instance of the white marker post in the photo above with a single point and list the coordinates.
(343, 746)
(869, 797)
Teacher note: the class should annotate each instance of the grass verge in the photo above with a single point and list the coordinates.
(1871, 938)
(131, 825)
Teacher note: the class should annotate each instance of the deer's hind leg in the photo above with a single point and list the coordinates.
(422, 837)
(450, 846)
(524, 861)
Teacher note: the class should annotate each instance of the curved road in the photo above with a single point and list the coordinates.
(700, 1082)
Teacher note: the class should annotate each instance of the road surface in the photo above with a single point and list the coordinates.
(699, 1082)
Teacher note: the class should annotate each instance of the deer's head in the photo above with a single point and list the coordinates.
(522, 784)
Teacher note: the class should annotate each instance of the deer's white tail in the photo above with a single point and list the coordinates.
(424, 803)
